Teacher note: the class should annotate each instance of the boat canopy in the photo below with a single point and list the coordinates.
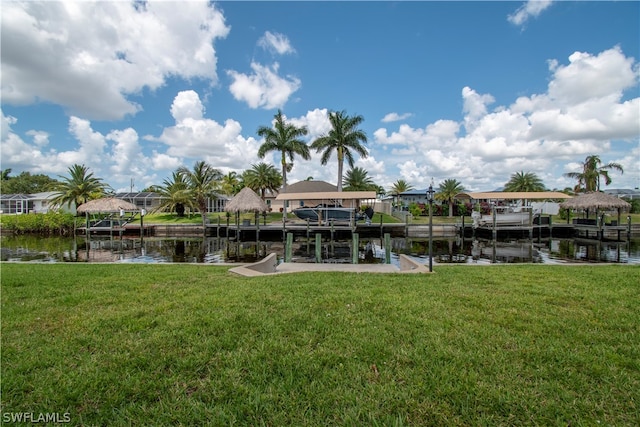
(519, 195)
(328, 195)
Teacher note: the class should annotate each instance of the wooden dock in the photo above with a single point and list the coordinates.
(278, 232)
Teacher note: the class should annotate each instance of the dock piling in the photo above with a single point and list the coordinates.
(318, 247)
(355, 244)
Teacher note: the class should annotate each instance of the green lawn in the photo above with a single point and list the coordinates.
(196, 345)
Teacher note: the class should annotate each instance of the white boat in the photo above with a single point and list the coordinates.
(501, 219)
(325, 212)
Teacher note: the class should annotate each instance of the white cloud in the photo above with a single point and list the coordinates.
(107, 49)
(161, 161)
(275, 42)
(531, 9)
(195, 137)
(582, 79)
(316, 121)
(187, 105)
(40, 138)
(535, 133)
(394, 117)
(127, 158)
(264, 88)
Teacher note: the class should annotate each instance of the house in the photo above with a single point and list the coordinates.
(150, 200)
(624, 193)
(305, 187)
(30, 203)
(142, 199)
(412, 196)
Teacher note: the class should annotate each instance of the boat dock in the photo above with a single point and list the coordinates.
(278, 232)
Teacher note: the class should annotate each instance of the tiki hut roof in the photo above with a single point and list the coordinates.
(310, 187)
(246, 201)
(595, 200)
(106, 205)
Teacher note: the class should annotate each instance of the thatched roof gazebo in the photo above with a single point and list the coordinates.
(107, 205)
(246, 201)
(107, 212)
(595, 201)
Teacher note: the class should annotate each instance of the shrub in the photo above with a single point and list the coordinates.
(50, 223)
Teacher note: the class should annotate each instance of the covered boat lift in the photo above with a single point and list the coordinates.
(311, 199)
(509, 217)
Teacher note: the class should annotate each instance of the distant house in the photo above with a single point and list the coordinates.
(150, 200)
(411, 196)
(624, 193)
(143, 199)
(304, 187)
(30, 203)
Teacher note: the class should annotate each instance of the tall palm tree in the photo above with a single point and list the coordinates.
(262, 177)
(345, 138)
(203, 182)
(524, 181)
(230, 184)
(399, 187)
(175, 194)
(447, 190)
(79, 187)
(285, 138)
(592, 170)
(357, 179)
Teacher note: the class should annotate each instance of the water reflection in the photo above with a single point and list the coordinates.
(221, 250)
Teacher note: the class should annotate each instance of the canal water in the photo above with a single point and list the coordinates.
(221, 250)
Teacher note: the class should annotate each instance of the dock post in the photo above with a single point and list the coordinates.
(387, 248)
(381, 227)
(318, 247)
(288, 248)
(355, 239)
(284, 229)
(494, 231)
(406, 225)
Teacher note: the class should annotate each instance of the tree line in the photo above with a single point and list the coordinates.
(190, 188)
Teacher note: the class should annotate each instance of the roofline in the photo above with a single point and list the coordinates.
(513, 195)
(331, 195)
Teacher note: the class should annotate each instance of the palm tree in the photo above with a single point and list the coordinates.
(175, 194)
(203, 181)
(285, 138)
(262, 177)
(357, 179)
(589, 178)
(399, 187)
(230, 184)
(447, 190)
(524, 181)
(79, 187)
(344, 137)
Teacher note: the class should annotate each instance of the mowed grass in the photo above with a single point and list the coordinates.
(197, 345)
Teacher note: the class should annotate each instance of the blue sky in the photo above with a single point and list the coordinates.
(473, 91)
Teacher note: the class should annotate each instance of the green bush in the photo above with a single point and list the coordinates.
(415, 209)
(50, 223)
(635, 205)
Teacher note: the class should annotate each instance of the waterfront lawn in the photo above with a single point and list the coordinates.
(196, 345)
(214, 217)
